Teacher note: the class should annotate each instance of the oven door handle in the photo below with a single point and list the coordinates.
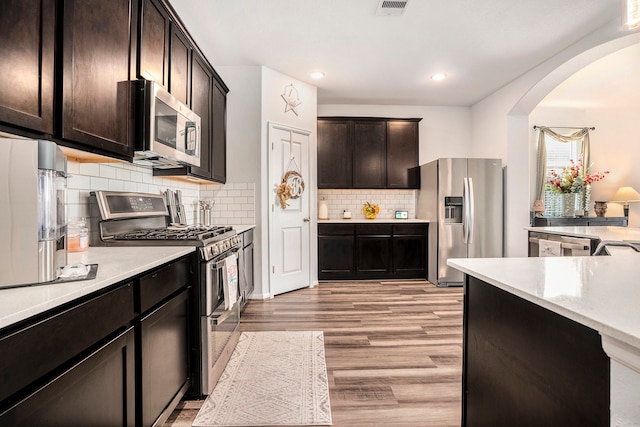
(220, 317)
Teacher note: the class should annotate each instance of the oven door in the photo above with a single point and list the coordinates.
(220, 334)
(219, 327)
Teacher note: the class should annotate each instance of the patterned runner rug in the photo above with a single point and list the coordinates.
(272, 379)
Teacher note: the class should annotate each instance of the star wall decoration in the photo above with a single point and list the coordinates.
(291, 98)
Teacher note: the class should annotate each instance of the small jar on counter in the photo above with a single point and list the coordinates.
(77, 235)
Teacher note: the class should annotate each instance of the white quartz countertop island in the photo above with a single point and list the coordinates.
(599, 292)
(115, 264)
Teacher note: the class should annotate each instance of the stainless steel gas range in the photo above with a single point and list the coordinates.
(141, 219)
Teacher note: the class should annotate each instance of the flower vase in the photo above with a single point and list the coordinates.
(586, 199)
(568, 204)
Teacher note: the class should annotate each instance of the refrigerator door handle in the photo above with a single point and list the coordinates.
(472, 210)
(465, 210)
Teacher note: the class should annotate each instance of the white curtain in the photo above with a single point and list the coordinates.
(581, 134)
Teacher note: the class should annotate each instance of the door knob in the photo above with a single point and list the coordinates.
(306, 219)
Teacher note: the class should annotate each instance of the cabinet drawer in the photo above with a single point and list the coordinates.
(335, 229)
(374, 229)
(158, 285)
(37, 349)
(409, 229)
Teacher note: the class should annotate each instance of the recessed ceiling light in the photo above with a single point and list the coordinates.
(438, 76)
(317, 75)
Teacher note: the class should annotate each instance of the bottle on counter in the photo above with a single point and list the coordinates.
(77, 235)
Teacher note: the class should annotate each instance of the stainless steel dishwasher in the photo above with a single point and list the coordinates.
(543, 244)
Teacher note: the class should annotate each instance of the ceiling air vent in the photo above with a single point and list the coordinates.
(389, 7)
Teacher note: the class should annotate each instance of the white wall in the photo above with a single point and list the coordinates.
(253, 101)
(443, 131)
(500, 122)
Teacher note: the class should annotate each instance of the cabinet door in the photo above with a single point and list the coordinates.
(201, 93)
(369, 154)
(335, 257)
(219, 133)
(154, 42)
(26, 69)
(409, 256)
(334, 154)
(164, 351)
(373, 256)
(402, 154)
(180, 60)
(99, 390)
(98, 42)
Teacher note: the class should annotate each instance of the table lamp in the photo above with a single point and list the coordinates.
(625, 195)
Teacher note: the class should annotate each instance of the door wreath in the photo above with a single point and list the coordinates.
(292, 185)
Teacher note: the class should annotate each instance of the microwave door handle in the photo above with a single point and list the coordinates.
(191, 129)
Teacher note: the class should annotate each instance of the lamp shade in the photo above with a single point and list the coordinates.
(625, 195)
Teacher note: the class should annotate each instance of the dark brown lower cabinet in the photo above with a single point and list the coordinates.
(116, 358)
(372, 251)
(336, 245)
(97, 391)
(524, 365)
(164, 366)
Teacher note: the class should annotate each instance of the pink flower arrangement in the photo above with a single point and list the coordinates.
(573, 178)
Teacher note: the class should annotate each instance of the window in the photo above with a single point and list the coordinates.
(559, 155)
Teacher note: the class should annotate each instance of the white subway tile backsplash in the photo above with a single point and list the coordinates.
(234, 203)
(352, 200)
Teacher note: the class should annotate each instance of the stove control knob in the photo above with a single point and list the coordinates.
(214, 250)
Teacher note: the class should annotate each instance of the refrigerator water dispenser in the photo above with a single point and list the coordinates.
(453, 209)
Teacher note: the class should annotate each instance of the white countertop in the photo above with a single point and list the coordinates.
(602, 233)
(599, 292)
(115, 264)
(242, 228)
(372, 221)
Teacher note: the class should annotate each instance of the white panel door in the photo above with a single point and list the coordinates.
(289, 231)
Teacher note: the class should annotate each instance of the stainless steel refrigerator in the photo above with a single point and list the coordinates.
(462, 199)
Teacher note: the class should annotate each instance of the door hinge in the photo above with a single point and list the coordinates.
(273, 269)
(272, 146)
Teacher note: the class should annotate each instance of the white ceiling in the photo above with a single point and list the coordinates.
(480, 44)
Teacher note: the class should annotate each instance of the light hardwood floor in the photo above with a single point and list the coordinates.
(393, 349)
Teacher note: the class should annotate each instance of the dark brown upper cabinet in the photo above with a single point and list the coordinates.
(201, 91)
(26, 68)
(334, 153)
(368, 153)
(219, 137)
(98, 65)
(180, 66)
(402, 154)
(155, 25)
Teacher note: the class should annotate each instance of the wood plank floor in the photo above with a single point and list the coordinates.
(393, 349)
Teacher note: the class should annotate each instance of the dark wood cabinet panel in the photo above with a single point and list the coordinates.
(334, 154)
(26, 69)
(201, 99)
(153, 63)
(37, 349)
(179, 63)
(372, 251)
(97, 54)
(543, 368)
(365, 152)
(219, 131)
(164, 357)
(97, 391)
(373, 256)
(402, 154)
(369, 154)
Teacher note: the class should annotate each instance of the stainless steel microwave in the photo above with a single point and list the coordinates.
(168, 132)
